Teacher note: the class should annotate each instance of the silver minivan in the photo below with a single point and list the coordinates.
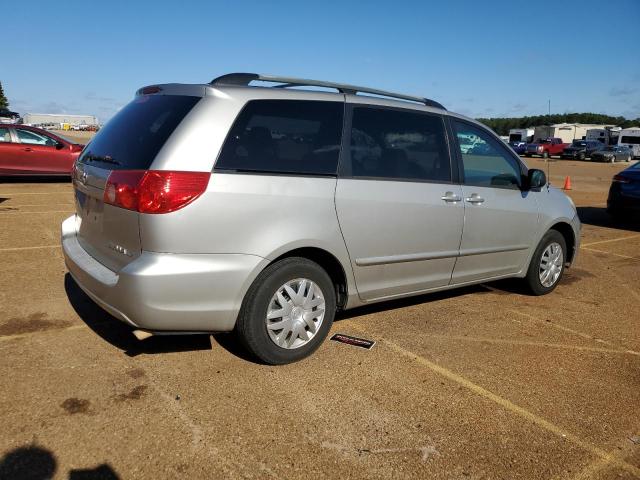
(265, 204)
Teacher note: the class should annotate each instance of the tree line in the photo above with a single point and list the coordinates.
(502, 125)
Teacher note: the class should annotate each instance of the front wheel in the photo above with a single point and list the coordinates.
(547, 264)
(287, 312)
(628, 158)
(545, 155)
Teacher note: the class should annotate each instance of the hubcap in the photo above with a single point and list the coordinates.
(551, 264)
(295, 313)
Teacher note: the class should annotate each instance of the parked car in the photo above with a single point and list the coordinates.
(546, 148)
(624, 193)
(614, 153)
(518, 146)
(33, 151)
(253, 226)
(581, 149)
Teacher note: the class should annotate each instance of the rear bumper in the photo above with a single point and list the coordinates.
(576, 225)
(162, 291)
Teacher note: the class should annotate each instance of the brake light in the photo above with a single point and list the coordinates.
(154, 191)
(621, 179)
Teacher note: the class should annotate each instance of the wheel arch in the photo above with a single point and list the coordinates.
(329, 263)
(567, 232)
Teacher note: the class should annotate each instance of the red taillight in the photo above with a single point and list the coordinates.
(154, 191)
(621, 179)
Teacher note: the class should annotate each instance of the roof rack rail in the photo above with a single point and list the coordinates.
(244, 79)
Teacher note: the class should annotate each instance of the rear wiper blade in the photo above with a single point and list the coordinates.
(101, 158)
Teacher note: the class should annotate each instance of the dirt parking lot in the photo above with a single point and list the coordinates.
(484, 382)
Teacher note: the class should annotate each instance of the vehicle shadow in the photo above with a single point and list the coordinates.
(36, 463)
(120, 335)
(599, 217)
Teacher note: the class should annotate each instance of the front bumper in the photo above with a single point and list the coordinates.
(576, 225)
(162, 291)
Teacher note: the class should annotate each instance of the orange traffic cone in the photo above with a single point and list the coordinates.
(567, 183)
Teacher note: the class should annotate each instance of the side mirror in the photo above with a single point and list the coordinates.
(59, 145)
(536, 179)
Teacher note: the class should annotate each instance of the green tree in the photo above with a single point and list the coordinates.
(4, 103)
(502, 125)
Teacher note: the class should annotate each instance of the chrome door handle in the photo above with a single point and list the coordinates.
(474, 198)
(451, 197)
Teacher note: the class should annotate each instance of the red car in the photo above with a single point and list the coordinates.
(33, 151)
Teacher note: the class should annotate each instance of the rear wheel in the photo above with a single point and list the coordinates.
(547, 264)
(287, 312)
(628, 158)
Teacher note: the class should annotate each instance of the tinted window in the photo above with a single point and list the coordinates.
(486, 162)
(630, 140)
(398, 144)
(285, 136)
(132, 138)
(5, 136)
(32, 138)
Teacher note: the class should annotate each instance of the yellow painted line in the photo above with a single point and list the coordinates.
(610, 240)
(575, 332)
(611, 253)
(524, 343)
(506, 404)
(17, 249)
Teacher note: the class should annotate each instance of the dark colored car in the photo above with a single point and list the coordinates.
(614, 153)
(32, 151)
(581, 149)
(518, 146)
(624, 193)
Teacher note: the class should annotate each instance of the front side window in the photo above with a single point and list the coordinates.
(486, 163)
(393, 144)
(5, 135)
(285, 136)
(32, 138)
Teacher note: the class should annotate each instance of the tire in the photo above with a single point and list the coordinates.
(612, 160)
(628, 158)
(267, 293)
(533, 278)
(581, 156)
(545, 155)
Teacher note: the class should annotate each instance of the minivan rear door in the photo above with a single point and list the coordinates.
(400, 213)
(129, 141)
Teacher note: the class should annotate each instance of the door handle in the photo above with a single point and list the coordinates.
(28, 149)
(451, 197)
(474, 198)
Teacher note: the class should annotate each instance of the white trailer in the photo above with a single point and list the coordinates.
(607, 135)
(630, 137)
(521, 135)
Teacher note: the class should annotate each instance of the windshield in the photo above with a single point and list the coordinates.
(133, 138)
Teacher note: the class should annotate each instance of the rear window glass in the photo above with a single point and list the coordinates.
(631, 140)
(135, 135)
(285, 136)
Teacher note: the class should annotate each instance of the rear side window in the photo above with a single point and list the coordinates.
(285, 136)
(135, 135)
(393, 144)
(5, 135)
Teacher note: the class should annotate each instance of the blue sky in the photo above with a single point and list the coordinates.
(481, 58)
